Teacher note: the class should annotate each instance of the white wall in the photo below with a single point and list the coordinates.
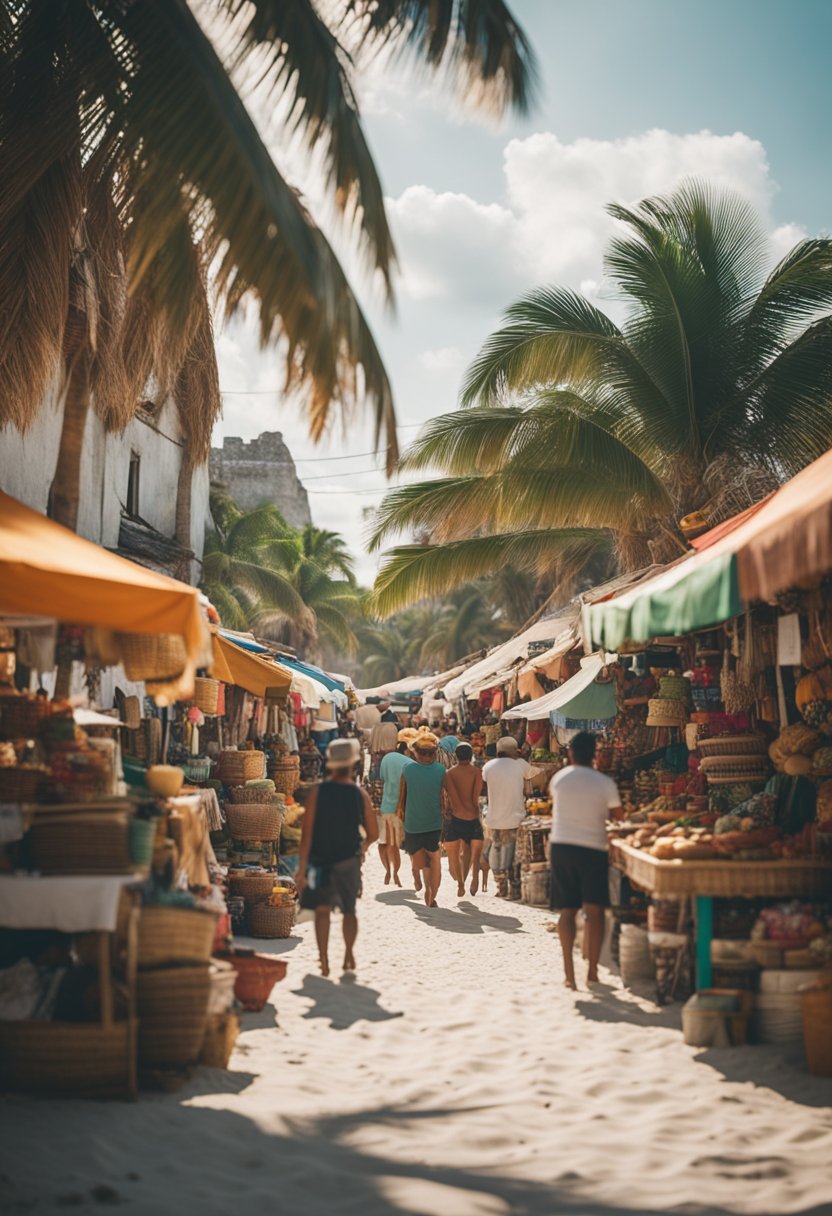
(27, 466)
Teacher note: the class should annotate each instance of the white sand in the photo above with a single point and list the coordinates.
(456, 1077)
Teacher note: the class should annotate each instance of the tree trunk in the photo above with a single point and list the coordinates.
(65, 493)
(184, 494)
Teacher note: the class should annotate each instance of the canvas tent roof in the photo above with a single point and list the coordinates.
(501, 658)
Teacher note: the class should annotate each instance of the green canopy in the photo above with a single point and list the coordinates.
(697, 593)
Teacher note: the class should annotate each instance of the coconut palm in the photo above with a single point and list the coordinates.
(125, 141)
(580, 437)
(328, 550)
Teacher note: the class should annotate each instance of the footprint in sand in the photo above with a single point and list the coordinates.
(745, 1169)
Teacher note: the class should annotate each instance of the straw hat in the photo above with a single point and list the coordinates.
(407, 734)
(343, 753)
(425, 741)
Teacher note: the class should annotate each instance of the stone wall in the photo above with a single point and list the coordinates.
(261, 471)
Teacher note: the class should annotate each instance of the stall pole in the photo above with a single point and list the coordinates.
(704, 936)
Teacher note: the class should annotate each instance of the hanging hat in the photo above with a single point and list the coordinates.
(343, 753)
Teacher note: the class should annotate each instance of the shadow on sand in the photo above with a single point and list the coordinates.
(231, 1163)
(466, 918)
(344, 1003)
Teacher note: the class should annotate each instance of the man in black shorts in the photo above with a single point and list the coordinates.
(582, 801)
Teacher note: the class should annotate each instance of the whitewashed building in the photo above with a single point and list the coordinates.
(128, 484)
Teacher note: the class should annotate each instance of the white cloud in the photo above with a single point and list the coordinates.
(443, 359)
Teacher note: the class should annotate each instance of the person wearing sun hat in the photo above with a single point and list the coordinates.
(390, 828)
(504, 777)
(420, 808)
(332, 848)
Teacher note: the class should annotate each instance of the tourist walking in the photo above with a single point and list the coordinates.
(390, 827)
(420, 807)
(332, 848)
(582, 801)
(384, 738)
(463, 835)
(504, 777)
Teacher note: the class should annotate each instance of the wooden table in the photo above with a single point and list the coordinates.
(810, 878)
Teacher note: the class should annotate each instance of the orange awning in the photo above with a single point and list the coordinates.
(48, 571)
(234, 665)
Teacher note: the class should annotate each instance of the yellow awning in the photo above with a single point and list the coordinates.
(46, 570)
(234, 665)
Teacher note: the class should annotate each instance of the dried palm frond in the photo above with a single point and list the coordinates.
(115, 394)
(196, 390)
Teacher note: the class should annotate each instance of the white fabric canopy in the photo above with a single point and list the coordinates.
(70, 904)
(563, 644)
(409, 684)
(504, 656)
(535, 711)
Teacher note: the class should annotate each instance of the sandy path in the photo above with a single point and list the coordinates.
(456, 1077)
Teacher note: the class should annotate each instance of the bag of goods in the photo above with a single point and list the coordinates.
(813, 697)
(793, 925)
(798, 739)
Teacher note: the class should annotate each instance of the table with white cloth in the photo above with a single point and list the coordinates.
(83, 904)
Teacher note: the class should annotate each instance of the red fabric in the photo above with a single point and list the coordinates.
(727, 527)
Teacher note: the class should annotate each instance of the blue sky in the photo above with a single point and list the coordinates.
(635, 95)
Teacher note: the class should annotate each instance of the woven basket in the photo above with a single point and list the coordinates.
(266, 921)
(175, 935)
(238, 767)
(173, 1011)
(221, 1033)
(94, 843)
(662, 711)
(206, 695)
(257, 974)
(732, 745)
(286, 775)
(241, 794)
(252, 886)
(816, 1008)
(20, 717)
(674, 688)
(19, 784)
(254, 820)
(152, 656)
(65, 1057)
(197, 769)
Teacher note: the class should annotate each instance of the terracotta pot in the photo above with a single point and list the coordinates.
(257, 974)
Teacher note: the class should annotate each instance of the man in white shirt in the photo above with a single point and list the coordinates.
(504, 778)
(582, 801)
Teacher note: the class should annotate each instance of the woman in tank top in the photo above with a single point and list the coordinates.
(332, 848)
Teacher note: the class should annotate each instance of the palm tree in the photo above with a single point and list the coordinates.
(580, 437)
(245, 561)
(130, 162)
(328, 550)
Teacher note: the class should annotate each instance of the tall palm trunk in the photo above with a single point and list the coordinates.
(184, 495)
(65, 495)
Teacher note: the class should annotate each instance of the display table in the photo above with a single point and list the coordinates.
(82, 904)
(807, 877)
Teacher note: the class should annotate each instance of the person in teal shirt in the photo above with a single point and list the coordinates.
(390, 829)
(420, 806)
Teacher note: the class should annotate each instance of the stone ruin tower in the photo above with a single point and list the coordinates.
(261, 471)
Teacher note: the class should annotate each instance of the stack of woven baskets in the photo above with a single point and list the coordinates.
(285, 774)
(671, 707)
(254, 815)
(174, 986)
(730, 758)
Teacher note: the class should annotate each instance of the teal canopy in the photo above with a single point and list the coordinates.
(698, 593)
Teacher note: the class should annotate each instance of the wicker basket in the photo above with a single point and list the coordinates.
(152, 656)
(206, 695)
(662, 711)
(20, 717)
(266, 921)
(173, 1011)
(286, 775)
(93, 843)
(197, 768)
(221, 1034)
(236, 768)
(816, 1008)
(19, 784)
(257, 974)
(240, 794)
(175, 935)
(254, 820)
(252, 886)
(65, 1057)
(732, 745)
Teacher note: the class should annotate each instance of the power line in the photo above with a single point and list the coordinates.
(383, 490)
(346, 473)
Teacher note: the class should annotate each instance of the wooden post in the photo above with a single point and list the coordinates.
(105, 980)
(131, 968)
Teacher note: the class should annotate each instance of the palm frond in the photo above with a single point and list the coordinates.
(414, 572)
(301, 58)
(196, 389)
(478, 41)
